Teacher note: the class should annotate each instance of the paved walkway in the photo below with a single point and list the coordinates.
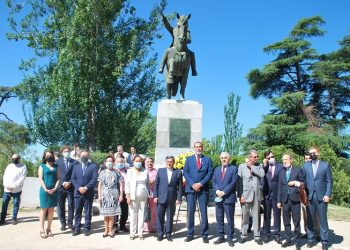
(25, 235)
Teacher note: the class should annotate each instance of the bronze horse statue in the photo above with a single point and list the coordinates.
(178, 58)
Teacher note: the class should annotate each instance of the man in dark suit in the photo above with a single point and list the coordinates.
(197, 172)
(270, 183)
(84, 178)
(65, 188)
(167, 192)
(131, 156)
(224, 184)
(319, 181)
(288, 198)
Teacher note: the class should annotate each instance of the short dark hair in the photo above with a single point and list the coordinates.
(267, 152)
(110, 156)
(170, 157)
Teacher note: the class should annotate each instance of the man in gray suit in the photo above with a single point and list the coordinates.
(250, 194)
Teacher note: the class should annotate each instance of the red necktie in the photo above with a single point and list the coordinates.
(223, 172)
(198, 162)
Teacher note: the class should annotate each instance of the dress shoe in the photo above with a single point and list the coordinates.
(75, 233)
(169, 238)
(205, 239)
(219, 241)
(278, 239)
(311, 244)
(266, 239)
(304, 236)
(242, 240)
(259, 241)
(230, 243)
(298, 246)
(318, 238)
(324, 247)
(124, 229)
(14, 222)
(159, 238)
(287, 243)
(63, 228)
(87, 232)
(188, 239)
(71, 227)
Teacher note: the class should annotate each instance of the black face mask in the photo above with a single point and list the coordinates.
(50, 159)
(15, 161)
(313, 157)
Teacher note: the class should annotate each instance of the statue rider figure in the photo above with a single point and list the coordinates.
(174, 34)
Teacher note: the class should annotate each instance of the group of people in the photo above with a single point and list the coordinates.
(130, 187)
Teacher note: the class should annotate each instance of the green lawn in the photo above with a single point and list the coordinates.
(338, 213)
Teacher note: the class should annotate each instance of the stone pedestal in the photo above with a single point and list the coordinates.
(179, 126)
(30, 193)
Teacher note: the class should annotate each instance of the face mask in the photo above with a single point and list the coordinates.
(66, 155)
(15, 161)
(313, 157)
(138, 165)
(84, 159)
(272, 161)
(109, 165)
(120, 165)
(50, 159)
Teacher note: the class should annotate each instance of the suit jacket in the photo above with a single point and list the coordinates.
(131, 182)
(194, 175)
(65, 176)
(250, 182)
(129, 159)
(228, 184)
(271, 182)
(321, 185)
(88, 180)
(296, 174)
(168, 192)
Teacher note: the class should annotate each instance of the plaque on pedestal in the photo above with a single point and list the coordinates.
(179, 126)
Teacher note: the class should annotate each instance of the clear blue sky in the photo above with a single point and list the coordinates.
(227, 37)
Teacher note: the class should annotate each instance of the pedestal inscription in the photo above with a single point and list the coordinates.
(180, 133)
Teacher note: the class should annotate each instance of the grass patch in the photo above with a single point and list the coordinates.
(338, 213)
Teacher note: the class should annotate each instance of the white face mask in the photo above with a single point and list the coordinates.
(272, 161)
(66, 155)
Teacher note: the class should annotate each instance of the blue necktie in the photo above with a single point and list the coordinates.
(66, 164)
(84, 169)
(288, 174)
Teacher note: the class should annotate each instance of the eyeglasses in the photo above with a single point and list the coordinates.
(255, 156)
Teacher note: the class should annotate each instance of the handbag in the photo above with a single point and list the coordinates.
(148, 212)
(303, 194)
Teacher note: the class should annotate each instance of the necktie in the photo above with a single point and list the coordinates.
(288, 174)
(198, 162)
(314, 168)
(223, 172)
(272, 170)
(66, 164)
(84, 169)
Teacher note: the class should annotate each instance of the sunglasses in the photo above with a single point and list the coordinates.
(272, 157)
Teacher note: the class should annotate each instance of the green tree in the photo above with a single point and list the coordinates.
(91, 79)
(233, 129)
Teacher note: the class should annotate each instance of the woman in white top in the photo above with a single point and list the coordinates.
(137, 191)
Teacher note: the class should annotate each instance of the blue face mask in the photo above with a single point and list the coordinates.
(109, 165)
(138, 165)
(120, 165)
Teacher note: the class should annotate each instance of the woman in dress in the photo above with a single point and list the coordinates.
(150, 225)
(110, 194)
(137, 191)
(49, 179)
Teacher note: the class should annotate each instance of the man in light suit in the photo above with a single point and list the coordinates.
(319, 181)
(65, 189)
(288, 198)
(197, 172)
(167, 192)
(250, 194)
(84, 178)
(224, 184)
(270, 183)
